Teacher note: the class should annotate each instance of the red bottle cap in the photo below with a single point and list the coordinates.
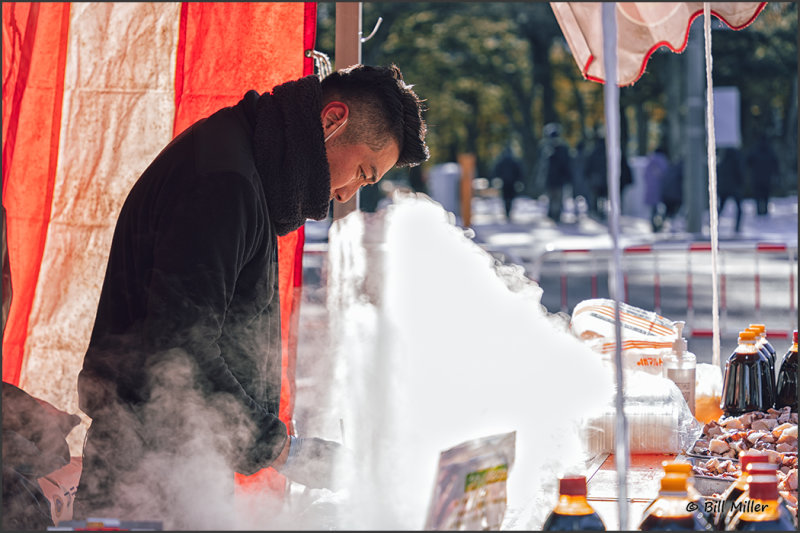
(763, 490)
(794, 337)
(572, 486)
(749, 458)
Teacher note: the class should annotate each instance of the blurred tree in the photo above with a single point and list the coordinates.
(494, 71)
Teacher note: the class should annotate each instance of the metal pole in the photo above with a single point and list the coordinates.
(611, 102)
(348, 52)
(694, 188)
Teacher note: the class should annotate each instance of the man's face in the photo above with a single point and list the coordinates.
(353, 165)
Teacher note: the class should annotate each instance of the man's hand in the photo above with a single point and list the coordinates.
(312, 462)
(281, 459)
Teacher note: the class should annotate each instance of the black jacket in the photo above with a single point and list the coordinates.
(193, 272)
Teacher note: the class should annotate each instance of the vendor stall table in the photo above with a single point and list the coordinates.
(644, 475)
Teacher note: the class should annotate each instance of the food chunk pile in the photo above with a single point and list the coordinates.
(772, 433)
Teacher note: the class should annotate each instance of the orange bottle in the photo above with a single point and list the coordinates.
(573, 512)
(673, 509)
(684, 468)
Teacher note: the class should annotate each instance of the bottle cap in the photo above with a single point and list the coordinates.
(747, 458)
(756, 331)
(794, 336)
(763, 490)
(673, 483)
(677, 467)
(572, 486)
(747, 335)
(761, 328)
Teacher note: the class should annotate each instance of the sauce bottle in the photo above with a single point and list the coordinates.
(735, 490)
(786, 389)
(763, 473)
(685, 469)
(765, 346)
(681, 367)
(573, 512)
(761, 511)
(671, 511)
(747, 385)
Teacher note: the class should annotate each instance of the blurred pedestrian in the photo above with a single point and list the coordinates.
(596, 178)
(579, 157)
(556, 167)
(508, 169)
(730, 180)
(654, 174)
(672, 190)
(762, 163)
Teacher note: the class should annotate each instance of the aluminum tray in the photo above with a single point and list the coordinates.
(708, 485)
(707, 457)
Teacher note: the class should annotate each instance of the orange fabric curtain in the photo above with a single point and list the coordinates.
(34, 56)
(223, 50)
(53, 54)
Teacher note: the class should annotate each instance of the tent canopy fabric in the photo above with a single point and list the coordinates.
(642, 28)
(92, 92)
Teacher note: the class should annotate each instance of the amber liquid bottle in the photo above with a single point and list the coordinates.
(735, 490)
(573, 512)
(683, 468)
(747, 384)
(786, 393)
(671, 511)
(758, 473)
(761, 512)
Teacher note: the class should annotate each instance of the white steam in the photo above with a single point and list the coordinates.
(432, 343)
(435, 344)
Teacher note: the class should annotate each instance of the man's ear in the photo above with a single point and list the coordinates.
(333, 114)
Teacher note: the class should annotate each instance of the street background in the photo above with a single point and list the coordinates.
(535, 242)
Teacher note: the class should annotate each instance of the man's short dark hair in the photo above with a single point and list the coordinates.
(382, 107)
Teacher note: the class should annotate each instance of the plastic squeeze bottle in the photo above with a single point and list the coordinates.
(573, 512)
(681, 367)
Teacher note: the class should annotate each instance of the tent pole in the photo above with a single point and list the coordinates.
(348, 52)
(611, 103)
(713, 226)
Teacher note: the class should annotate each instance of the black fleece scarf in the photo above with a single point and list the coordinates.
(290, 153)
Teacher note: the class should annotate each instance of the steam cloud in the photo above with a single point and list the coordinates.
(431, 343)
(435, 344)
